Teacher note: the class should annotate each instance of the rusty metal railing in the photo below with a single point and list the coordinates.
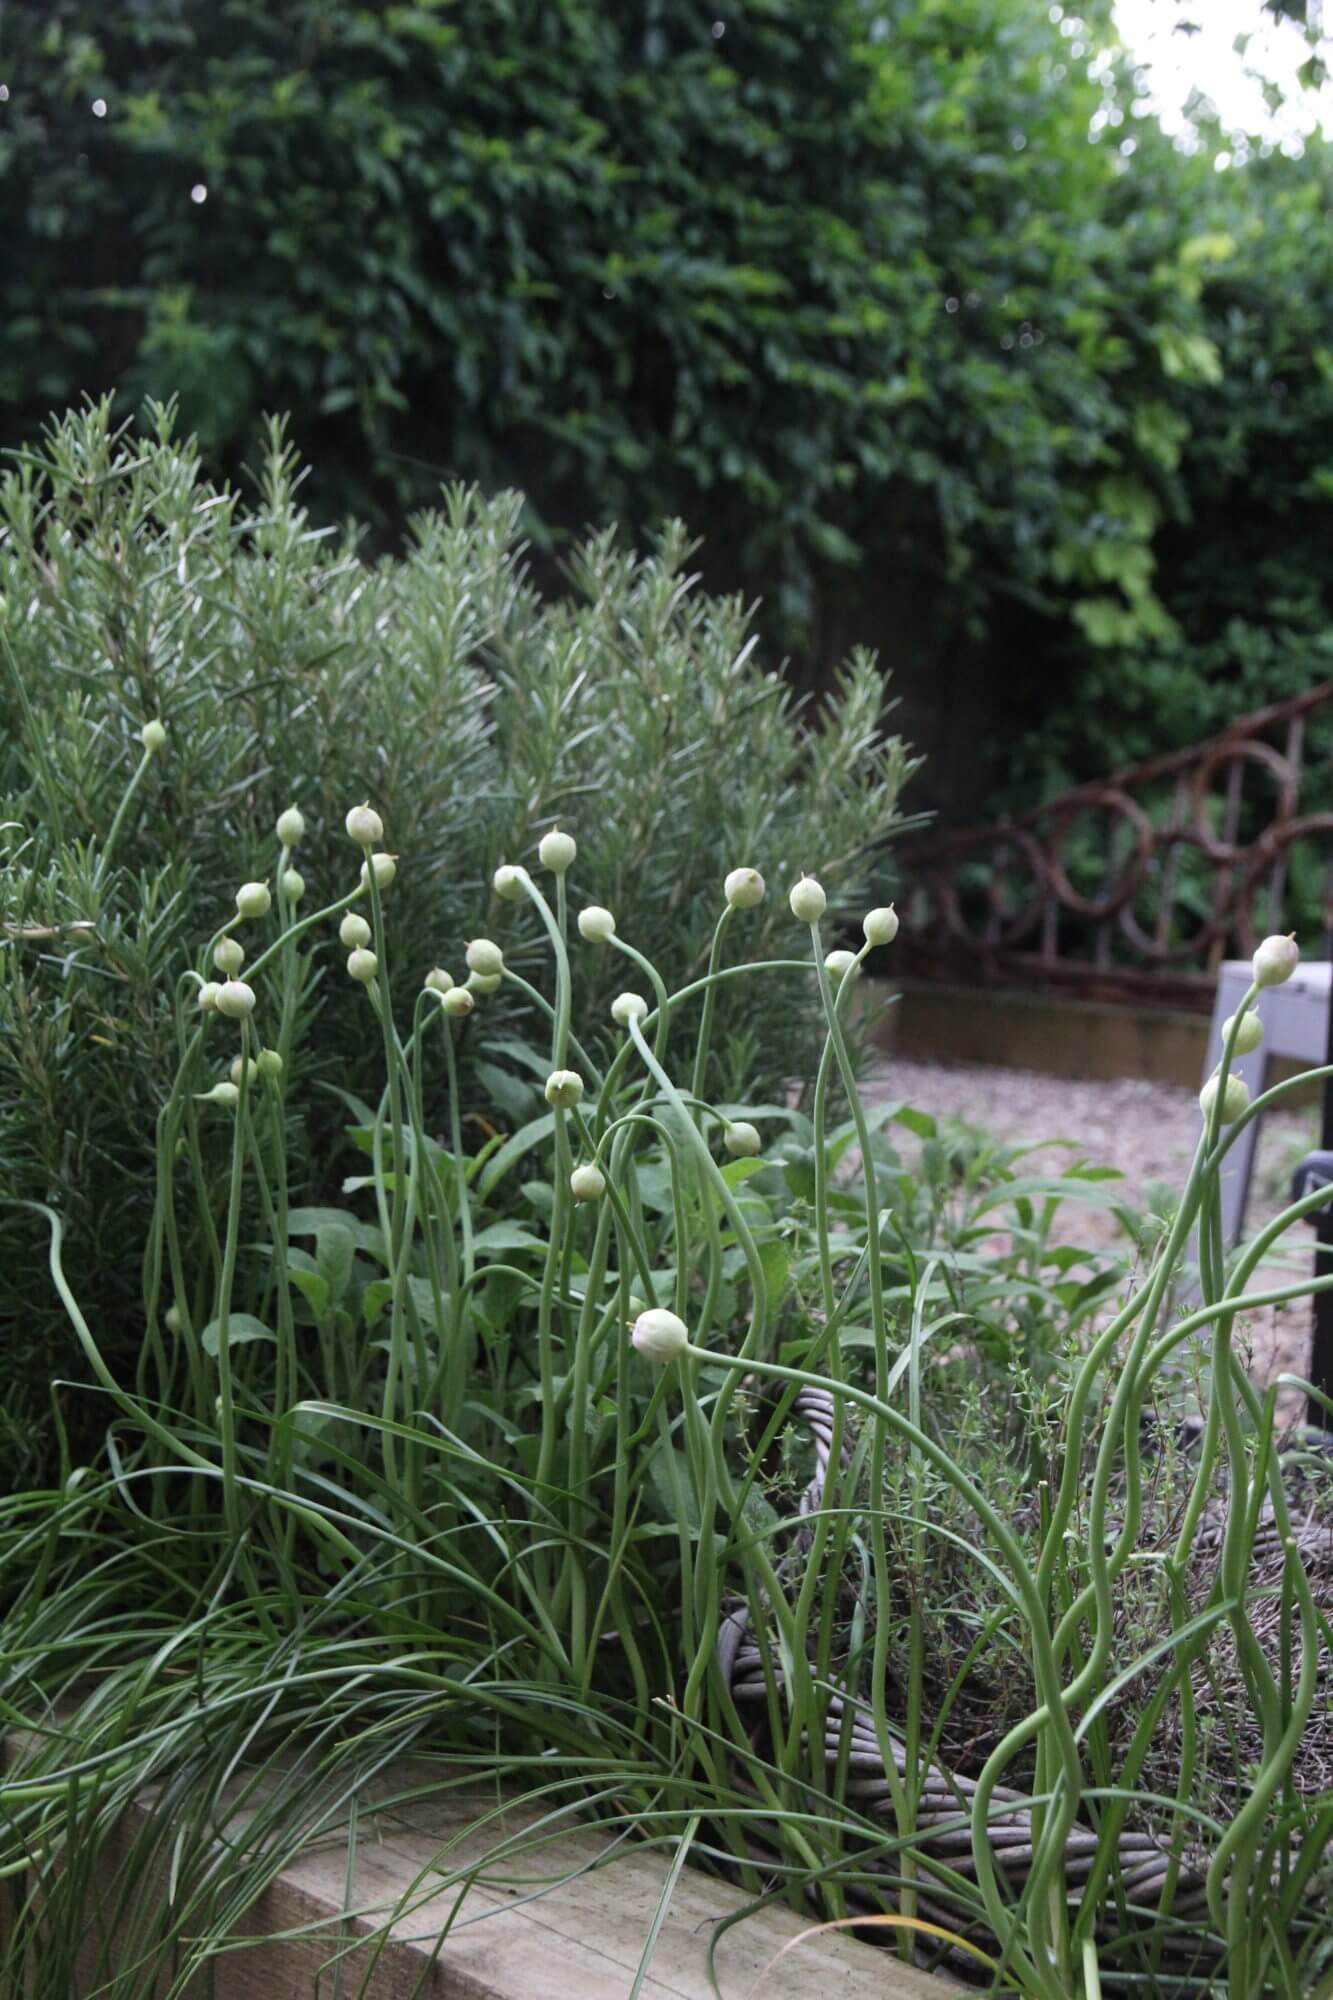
(1138, 886)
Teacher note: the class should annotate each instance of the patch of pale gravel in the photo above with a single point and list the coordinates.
(1147, 1132)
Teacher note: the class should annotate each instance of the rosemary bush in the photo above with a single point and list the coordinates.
(284, 665)
(479, 1461)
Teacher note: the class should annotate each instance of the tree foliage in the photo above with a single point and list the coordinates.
(903, 304)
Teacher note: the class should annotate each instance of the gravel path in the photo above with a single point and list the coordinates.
(1147, 1131)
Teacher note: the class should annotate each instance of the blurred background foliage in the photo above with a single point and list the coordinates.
(905, 305)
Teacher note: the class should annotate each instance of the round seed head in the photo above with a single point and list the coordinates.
(880, 926)
(596, 925)
(564, 1089)
(484, 956)
(744, 888)
(235, 999)
(1235, 1098)
(1276, 960)
(556, 850)
(364, 825)
(659, 1335)
(587, 1183)
(1248, 1035)
(807, 899)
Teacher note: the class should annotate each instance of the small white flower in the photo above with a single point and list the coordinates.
(1249, 1034)
(293, 884)
(839, 963)
(807, 899)
(1235, 1098)
(564, 1089)
(364, 825)
(556, 850)
(587, 1183)
(744, 888)
(627, 1007)
(362, 965)
(438, 980)
(596, 924)
(880, 926)
(507, 883)
(290, 827)
(742, 1140)
(1276, 960)
(354, 931)
(253, 899)
(485, 957)
(458, 1003)
(385, 866)
(153, 736)
(659, 1335)
(229, 956)
(235, 999)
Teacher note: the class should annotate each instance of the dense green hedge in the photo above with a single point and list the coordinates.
(846, 285)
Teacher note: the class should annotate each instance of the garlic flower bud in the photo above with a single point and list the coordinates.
(269, 1063)
(742, 1140)
(290, 827)
(225, 1094)
(807, 900)
(241, 1068)
(483, 982)
(354, 931)
(485, 957)
(880, 926)
(596, 925)
(229, 956)
(839, 963)
(253, 899)
(1276, 960)
(659, 1335)
(458, 1003)
(587, 1183)
(235, 999)
(564, 1089)
(364, 825)
(556, 850)
(1248, 1035)
(153, 736)
(208, 995)
(627, 1007)
(744, 888)
(438, 980)
(362, 965)
(507, 883)
(1235, 1098)
(293, 884)
(385, 866)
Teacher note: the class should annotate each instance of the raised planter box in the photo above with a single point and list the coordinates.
(509, 1936)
